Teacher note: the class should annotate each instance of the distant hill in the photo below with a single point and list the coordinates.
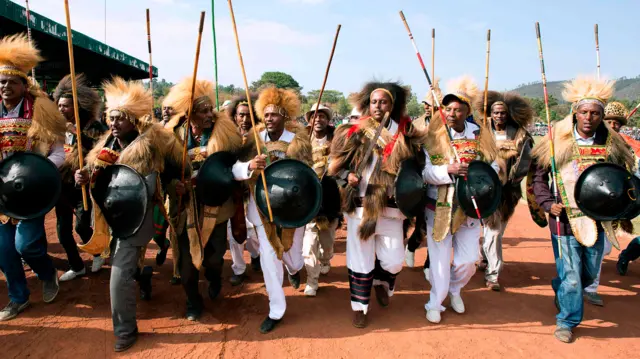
(625, 89)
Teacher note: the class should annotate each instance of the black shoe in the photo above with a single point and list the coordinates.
(175, 281)
(145, 283)
(214, 290)
(268, 325)
(50, 288)
(161, 256)
(255, 264)
(12, 310)
(125, 342)
(236, 279)
(295, 280)
(194, 311)
(622, 266)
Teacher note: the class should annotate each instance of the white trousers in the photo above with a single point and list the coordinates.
(272, 269)
(317, 249)
(492, 251)
(239, 266)
(593, 288)
(386, 246)
(447, 277)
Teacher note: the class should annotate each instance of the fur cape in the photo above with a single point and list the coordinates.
(618, 153)
(48, 126)
(520, 117)
(150, 151)
(347, 151)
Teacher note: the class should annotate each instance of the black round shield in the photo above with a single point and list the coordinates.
(483, 185)
(410, 188)
(331, 202)
(121, 194)
(30, 185)
(605, 192)
(215, 183)
(295, 193)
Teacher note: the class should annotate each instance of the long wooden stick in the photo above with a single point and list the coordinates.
(324, 82)
(74, 90)
(437, 103)
(595, 29)
(486, 77)
(215, 52)
(33, 70)
(150, 59)
(193, 89)
(433, 53)
(554, 172)
(251, 114)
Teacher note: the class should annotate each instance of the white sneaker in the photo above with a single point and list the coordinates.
(309, 291)
(456, 303)
(324, 269)
(70, 274)
(426, 274)
(433, 316)
(97, 264)
(409, 257)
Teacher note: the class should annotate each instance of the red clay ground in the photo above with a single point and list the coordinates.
(517, 322)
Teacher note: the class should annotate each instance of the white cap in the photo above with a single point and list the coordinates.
(355, 112)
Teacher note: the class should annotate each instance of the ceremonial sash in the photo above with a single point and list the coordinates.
(443, 223)
(584, 228)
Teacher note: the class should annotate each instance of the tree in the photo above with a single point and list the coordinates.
(414, 108)
(278, 79)
(328, 96)
(343, 107)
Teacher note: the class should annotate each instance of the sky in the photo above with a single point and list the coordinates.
(295, 36)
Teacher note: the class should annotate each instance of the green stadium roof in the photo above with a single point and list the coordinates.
(95, 59)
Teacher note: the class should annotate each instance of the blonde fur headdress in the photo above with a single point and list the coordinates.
(18, 56)
(436, 88)
(129, 97)
(463, 88)
(283, 101)
(586, 89)
(180, 94)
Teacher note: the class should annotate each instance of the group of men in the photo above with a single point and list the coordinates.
(360, 160)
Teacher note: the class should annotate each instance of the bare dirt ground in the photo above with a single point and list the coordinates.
(517, 322)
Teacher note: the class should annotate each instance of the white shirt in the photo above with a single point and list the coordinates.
(583, 141)
(241, 170)
(439, 175)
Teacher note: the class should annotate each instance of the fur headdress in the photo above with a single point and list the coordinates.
(436, 88)
(584, 89)
(616, 111)
(519, 109)
(129, 97)
(283, 101)
(89, 101)
(232, 107)
(18, 56)
(180, 94)
(399, 95)
(464, 89)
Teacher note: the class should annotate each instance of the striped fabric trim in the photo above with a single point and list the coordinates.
(360, 285)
